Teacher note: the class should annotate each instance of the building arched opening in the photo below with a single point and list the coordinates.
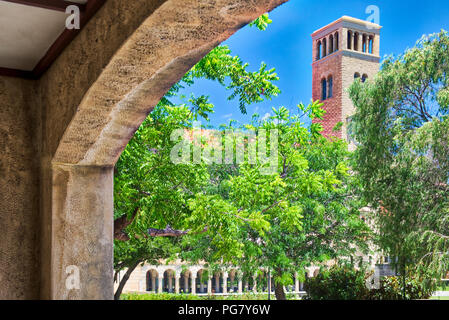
(185, 282)
(364, 77)
(371, 45)
(318, 50)
(349, 40)
(152, 281)
(356, 41)
(337, 41)
(202, 277)
(331, 44)
(324, 53)
(168, 283)
(323, 89)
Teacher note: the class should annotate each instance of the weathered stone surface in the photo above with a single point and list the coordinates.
(82, 231)
(19, 191)
(164, 47)
(61, 135)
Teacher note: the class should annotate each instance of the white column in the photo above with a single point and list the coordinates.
(296, 283)
(193, 284)
(177, 283)
(209, 285)
(160, 280)
(240, 285)
(255, 284)
(225, 282)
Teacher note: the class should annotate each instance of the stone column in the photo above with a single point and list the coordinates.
(177, 277)
(255, 284)
(82, 233)
(193, 285)
(160, 283)
(240, 285)
(376, 45)
(343, 39)
(209, 285)
(225, 282)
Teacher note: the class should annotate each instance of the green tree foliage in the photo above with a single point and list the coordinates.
(305, 212)
(401, 127)
(150, 192)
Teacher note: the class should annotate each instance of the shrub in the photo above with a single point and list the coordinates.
(158, 296)
(337, 283)
(391, 288)
(345, 283)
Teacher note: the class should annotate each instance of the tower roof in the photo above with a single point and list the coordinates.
(348, 21)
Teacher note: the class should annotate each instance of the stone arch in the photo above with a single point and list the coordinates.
(156, 55)
(152, 280)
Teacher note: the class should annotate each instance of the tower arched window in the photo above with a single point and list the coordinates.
(323, 89)
(324, 48)
(330, 83)
(331, 44)
(364, 43)
(318, 50)
(364, 77)
(349, 40)
(356, 75)
(337, 41)
(371, 45)
(356, 41)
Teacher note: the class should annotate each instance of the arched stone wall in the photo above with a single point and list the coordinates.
(176, 35)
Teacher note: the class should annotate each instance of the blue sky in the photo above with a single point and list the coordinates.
(287, 46)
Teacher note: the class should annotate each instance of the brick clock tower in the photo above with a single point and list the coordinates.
(346, 49)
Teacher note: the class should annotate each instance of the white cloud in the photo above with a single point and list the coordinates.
(266, 116)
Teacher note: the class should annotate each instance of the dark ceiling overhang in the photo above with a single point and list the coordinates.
(87, 11)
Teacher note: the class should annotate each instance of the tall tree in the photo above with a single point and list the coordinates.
(150, 191)
(401, 127)
(304, 212)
